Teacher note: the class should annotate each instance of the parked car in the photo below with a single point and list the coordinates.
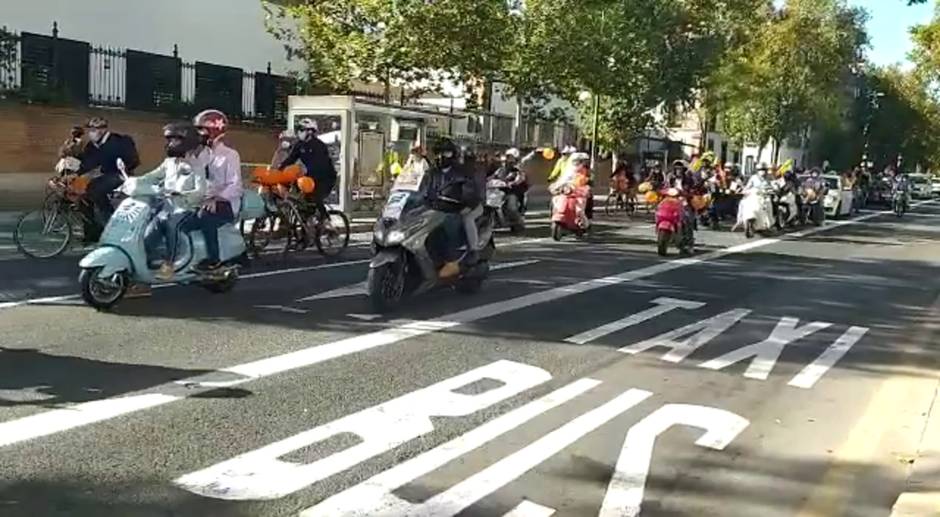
(840, 198)
(935, 186)
(921, 187)
(880, 193)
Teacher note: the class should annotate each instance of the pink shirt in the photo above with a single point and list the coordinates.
(225, 176)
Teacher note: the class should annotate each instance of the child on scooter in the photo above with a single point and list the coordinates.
(182, 176)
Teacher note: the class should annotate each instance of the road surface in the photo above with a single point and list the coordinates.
(776, 376)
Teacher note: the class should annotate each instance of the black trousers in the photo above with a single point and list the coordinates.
(98, 209)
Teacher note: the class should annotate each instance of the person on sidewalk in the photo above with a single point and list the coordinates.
(224, 193)
(114, 155)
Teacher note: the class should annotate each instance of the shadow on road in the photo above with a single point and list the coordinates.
(29, 377)
(94, 498)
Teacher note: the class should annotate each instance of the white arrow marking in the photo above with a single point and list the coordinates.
(359, 288)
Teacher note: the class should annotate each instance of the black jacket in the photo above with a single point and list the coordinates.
(315, 156)
(106, 155)
(454, 190)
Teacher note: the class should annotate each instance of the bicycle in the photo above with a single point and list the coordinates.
(620, 201)
(47, 232)
(295, 219)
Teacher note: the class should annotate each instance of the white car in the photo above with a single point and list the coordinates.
(839, 200)
(935, 186)
(921, 188)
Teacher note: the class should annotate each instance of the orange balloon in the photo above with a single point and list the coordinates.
(699, 203)
(79, 185)
(548, 154)
(306, 184)
(652, 197)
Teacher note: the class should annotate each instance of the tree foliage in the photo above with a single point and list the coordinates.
(413, 42)
(792, 73)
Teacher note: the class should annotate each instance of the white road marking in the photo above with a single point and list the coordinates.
(625, 490)
(365, 317)
(697, 335)
(370, 495)
(361, 289)
(765, 353)
(530, 509)
(262, 475)
(809, 376)
(262, 274)
(58, 420)
(282, 308)
(464, 494)
(663, 306)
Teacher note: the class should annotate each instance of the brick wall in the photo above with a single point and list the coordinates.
(30, 136)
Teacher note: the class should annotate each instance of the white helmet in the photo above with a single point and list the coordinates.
(513, 153)
(569, 149)
(580, 158)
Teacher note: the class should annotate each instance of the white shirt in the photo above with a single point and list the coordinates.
(183, 176)
(225, 176)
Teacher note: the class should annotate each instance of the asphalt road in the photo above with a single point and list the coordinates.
(779, 376)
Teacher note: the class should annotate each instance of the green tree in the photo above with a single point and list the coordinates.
(792, 73)
(414, 42)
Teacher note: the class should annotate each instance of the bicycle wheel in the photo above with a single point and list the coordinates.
(294, 228)
(260, 234)
(43, 234)
(332, 235)
(610, 205)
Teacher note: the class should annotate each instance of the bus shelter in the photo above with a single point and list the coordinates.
(365, 138)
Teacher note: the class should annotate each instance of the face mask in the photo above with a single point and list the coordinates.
(285, 144)
(94, 135)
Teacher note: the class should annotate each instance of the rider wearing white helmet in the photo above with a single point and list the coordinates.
(315, 157)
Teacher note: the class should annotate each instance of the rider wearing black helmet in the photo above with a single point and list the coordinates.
(454, 189)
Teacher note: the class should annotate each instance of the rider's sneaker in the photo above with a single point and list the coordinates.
(138, 291)
(165, 272)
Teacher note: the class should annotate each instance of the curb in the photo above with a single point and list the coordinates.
(922, 491)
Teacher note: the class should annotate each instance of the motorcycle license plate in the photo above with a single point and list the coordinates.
(494, 198)
(395, 205)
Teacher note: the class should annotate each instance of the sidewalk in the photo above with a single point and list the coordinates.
(922, 494)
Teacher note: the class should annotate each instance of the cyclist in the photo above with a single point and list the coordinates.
(315, 157)
(106, 151)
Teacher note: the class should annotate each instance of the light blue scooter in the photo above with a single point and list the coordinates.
(121, 256)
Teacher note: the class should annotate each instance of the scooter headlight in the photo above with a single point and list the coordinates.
(395, 238)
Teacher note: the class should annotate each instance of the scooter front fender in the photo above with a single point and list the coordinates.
(110, 259)
(386, 256)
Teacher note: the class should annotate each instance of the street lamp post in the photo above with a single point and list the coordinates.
(594, 124)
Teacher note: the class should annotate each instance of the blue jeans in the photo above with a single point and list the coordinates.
(167, 227)
(209, 223)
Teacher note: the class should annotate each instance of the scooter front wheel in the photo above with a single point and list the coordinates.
(386, 286)
(100, 293)
(556, 231)
(749, 229)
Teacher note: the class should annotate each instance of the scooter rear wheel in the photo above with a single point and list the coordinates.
(662, 242)
(749, 229)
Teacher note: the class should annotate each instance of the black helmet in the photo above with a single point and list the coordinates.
(446, 152)
(181, 138)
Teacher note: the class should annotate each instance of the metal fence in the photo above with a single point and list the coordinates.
(41, 68)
